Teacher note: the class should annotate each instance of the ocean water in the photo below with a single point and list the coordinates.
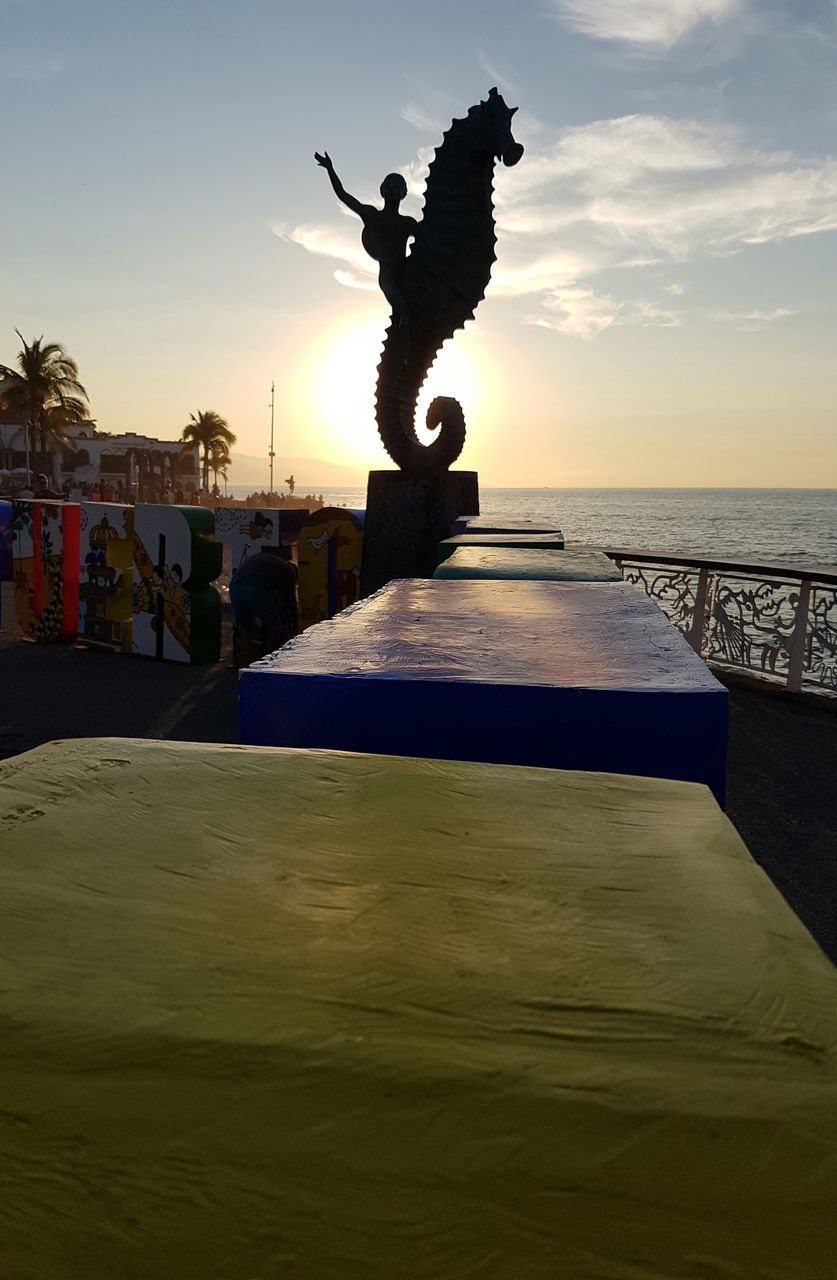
(790, 526)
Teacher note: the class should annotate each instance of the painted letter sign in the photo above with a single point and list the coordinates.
(45, 552)
(177, 614)
(106, 586)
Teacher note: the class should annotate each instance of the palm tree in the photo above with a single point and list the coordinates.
(207, 430)
(45, 391)
(219, 461)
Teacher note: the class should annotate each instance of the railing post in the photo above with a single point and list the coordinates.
(800, 632)
(695, 632)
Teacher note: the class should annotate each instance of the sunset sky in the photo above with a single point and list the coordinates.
(664, 305)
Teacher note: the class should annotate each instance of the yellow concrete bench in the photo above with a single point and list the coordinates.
(282, 1013)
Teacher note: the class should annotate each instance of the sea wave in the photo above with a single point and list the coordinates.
(787, 526)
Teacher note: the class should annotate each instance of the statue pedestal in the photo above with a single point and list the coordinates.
(407, 516)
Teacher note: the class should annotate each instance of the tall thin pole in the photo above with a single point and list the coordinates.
(271, 455)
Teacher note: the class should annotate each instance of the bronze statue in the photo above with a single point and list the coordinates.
(385, 231)
(435, 288)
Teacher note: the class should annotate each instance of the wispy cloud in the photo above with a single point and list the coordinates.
(618, 151)
(652, 314)
(649, 24)
(753, 321)
(591, 209)
(354, 281)
(673, 184)
(496, 77)
(647, 190)
(334, 243)
(542, 274)
(421, 119)
(415, 173)
(578, 311)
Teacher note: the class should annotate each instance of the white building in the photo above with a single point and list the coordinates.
(140, 465)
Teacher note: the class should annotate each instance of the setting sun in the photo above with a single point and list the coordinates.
(343, 384)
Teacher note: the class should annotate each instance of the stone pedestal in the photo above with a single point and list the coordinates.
(406, 518)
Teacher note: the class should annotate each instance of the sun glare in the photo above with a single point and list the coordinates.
(344, 384)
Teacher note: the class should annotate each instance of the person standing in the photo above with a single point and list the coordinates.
(42, 489)
(263, 595)
(385, 233)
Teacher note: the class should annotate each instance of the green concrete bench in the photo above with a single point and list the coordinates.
(544, 541)
(575, 564)
(496, 524)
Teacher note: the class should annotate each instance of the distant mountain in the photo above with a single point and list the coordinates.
(308, 473)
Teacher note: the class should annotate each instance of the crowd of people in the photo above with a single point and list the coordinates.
(311, 501)
(147, 489)
(105, 491)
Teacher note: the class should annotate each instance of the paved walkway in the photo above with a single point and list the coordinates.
(781, 780)
(782, 767)
(58, 691)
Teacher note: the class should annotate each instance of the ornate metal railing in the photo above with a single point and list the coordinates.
(775, 622)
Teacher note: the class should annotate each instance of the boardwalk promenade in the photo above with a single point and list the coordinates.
(59, 691)
(781, 766)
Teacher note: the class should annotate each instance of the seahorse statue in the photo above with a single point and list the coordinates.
(438, 286)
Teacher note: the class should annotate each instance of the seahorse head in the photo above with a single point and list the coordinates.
(490, 129)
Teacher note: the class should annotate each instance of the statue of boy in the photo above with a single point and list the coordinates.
(385, 232)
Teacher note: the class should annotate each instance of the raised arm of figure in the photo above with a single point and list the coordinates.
(339, 190)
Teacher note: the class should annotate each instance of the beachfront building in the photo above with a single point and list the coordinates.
(141, 466)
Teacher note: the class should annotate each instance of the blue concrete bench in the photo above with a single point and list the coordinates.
(567, 675)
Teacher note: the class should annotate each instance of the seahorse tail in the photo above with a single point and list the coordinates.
(446, 413)
(398, 389)
(388, 403)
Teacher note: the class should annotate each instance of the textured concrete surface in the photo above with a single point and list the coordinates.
(781, 763)
(519, 564)
(570, 675)
(491, 524)
(548, 541)
(339, 1017)
(781, 776)
(59, 691)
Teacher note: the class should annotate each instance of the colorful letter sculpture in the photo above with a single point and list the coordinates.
(330, 548)
(245, 530)
(105, 609)
(5, 550)
(177, 614)
(45, 552)
(5, 541)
